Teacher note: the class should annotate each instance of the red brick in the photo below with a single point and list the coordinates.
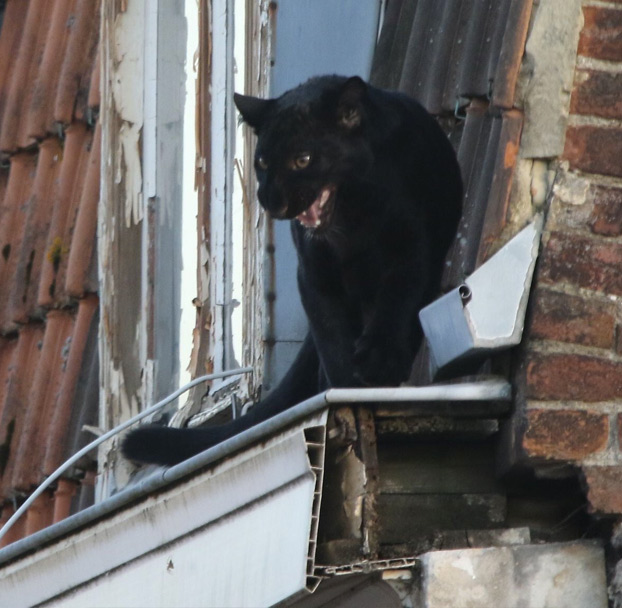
(570, 377)
(597, 94)
(604, 488)
(601, 36)
(565, 434)
(572, 319)
(594, 149)
(606, 218)
(583, 261)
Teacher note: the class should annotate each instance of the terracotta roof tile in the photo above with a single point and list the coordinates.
(77, 146)
(50, 200)
(44, 374)
(81, 61)
(82, 250)
(7, 353)
(63, 498)
(39, 109)
(42, 399)
(12, 35)
(40, 514)
(13, 226)
(72, 356)
(28, 258)
(32, 44)
(17, 531)
(20, 370)
(49, 77)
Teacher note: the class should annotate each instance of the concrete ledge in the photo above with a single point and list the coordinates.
(557, 575)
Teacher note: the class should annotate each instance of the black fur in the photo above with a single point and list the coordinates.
(368, 260)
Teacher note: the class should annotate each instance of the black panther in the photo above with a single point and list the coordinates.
(372, 189)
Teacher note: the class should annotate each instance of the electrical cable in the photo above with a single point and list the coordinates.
(111, 433)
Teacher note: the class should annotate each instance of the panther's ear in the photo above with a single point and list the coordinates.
(350, 105)
(252, 109)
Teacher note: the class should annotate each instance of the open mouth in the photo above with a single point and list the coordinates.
(319, 212)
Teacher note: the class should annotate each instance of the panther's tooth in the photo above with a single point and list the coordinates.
(324, 198)
(317, 223)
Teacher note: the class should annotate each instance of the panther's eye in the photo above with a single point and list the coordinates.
(262, 163)
(302, 161)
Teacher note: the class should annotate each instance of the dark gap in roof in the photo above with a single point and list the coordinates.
(2, 7)
(5, 448)
(29, 266)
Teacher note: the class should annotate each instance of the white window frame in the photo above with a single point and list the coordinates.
(139, 214)
(139, 162)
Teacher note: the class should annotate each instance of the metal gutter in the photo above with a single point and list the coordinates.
(162, 477)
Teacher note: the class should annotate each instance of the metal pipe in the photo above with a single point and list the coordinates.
(488, 390)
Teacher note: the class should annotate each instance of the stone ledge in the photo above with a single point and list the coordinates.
(558, 575)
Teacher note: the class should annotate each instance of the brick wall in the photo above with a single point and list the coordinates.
(571, 377)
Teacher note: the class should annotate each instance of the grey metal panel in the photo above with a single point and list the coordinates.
(313, 37)
(167, 206)
(323, 37)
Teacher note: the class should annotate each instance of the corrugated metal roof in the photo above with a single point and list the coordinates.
(49, 191)
(461, 59)
(444, 53)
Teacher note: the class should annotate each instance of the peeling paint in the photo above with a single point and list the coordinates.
(129, 168)
(127, 98)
